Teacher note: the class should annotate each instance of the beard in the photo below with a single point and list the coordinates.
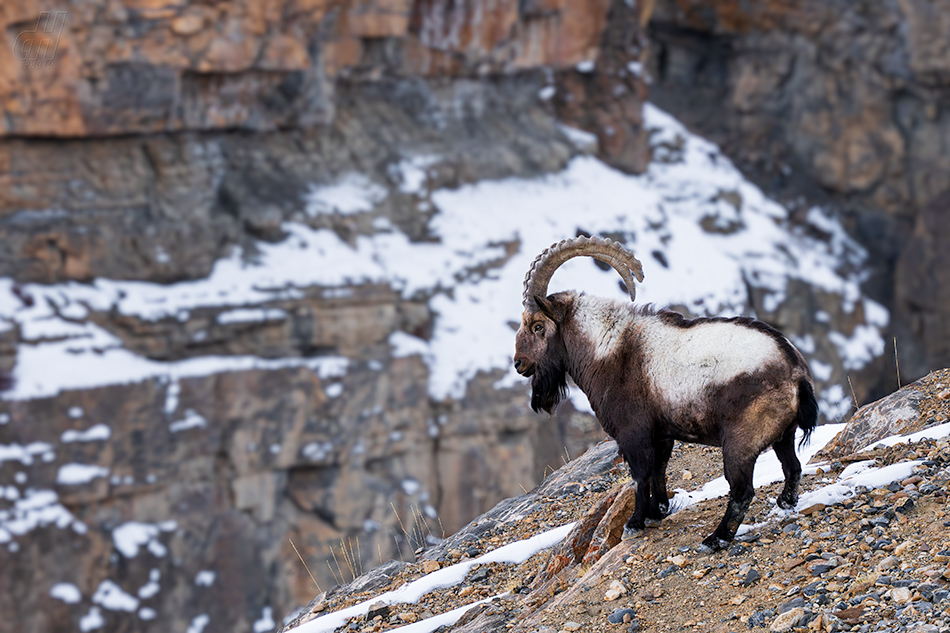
(548, 388)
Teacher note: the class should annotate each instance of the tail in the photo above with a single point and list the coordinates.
(807, 418)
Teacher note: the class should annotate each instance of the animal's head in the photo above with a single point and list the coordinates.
(540, 352)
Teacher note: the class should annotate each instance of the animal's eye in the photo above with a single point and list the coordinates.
(538, 328)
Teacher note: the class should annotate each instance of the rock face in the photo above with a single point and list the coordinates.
(831, 103)
(914, 408)
(142, 67)
(158, 141)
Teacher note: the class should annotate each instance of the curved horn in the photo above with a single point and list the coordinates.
(608, 251)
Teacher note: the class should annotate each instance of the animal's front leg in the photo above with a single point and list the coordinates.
(659, 499)
(640, 461)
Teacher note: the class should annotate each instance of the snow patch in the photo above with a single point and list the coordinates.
(129, 537)
(92, 620)
(198, 623)
(516, 553)
(67, 592)
(78, 474)
(266, 621)
(932, 433)
(192, 420)
(152, 587)
(581, 139)
(404, 345)
(97, 433)
(37, 508)
(23, 454)
(250, 315)
(586, 66)
(354, 193)
(110, 596)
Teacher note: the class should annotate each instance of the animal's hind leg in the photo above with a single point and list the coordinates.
(738, 470)
(785, 451)
(659, 499)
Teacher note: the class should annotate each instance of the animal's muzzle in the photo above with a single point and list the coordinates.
(523, 368)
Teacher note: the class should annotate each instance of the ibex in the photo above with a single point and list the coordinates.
(653, 377)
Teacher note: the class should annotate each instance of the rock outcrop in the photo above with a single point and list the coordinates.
(839, 104)
(913, 409)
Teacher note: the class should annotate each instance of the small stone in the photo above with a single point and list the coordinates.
(889, 563)
(612, 594)
(408, 616)
(818, 507)
(738, 599)
(679, 560)
(792, 564)
(759, 618)
(687, 475)
(621, 616)
(377, 609)
(751, 577)
(479, 574)
(792, 604)
(429, 566)
(900, 595)
(571, 626)
(738, 549)
(904, 506)
(785, 621)
(317, 608)
(466, 591)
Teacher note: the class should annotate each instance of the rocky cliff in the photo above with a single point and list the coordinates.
(260, 270)
(834, 103)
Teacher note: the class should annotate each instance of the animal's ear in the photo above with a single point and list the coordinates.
(551, 309)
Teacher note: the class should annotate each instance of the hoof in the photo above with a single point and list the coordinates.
(664, 508)
(787, 504)
(629, 533)
(652, 522)
(711, 544)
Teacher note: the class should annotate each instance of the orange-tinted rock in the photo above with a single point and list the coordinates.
(105, 74)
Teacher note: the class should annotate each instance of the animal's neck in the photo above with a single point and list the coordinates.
(599, 328)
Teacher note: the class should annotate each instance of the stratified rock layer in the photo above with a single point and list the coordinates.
(147, 141)
(840, 104)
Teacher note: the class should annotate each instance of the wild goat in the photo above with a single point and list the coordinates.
(653, 377)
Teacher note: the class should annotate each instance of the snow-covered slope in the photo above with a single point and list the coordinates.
(705, 235)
